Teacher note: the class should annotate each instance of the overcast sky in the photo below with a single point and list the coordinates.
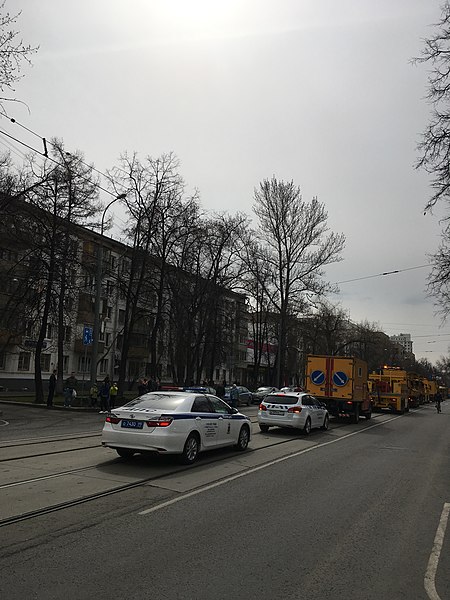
(322, 93)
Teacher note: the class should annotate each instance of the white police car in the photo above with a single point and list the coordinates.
(175, 423)
(292, 409)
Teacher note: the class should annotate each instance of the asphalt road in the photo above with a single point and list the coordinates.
(356, 513)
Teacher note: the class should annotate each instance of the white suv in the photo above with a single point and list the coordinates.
(292, 409)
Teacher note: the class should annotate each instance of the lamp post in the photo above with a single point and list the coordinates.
(98, 293)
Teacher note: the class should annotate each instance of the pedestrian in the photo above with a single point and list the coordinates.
(70, 390)
(151, 385)
(104, 395)
(220, 390)
(234, 396)
(113, 395)
(142, 387)
(51, 389)
(93, 395)
(438, 399)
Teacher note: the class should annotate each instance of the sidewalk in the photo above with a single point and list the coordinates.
(84, 407)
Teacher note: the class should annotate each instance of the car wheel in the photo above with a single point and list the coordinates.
(307, 427)
(125, 452)
(355, 418)
(264, 428)
(326, 423)
(190, 450)
(243, 439)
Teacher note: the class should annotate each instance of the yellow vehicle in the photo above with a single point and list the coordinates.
(340, 382)
(389, 389)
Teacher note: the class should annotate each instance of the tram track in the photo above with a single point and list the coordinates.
(112, 491)
(116, 489)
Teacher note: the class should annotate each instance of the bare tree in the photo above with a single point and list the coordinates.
(434, 147)
(65, 198)
(13, 52)
(296, 243)
(154, 202)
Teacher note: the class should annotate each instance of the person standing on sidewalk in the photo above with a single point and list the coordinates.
(70, 391)
(438, 399)
(51, 389)
(104, 395)
(113, 395)
(93, 395)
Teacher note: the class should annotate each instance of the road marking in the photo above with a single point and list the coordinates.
(259, 468)
(3, 423)
(430, 575)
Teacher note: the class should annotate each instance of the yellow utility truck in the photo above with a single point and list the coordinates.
(391, 388)
(340, 382)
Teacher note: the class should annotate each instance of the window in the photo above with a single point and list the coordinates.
(219, 406)
(45, 362)
(121, 316)
(104, 365)
(49, 332)
(28, 328)
(133, 368)
(24, 361)
(65, 364)
(201, 405)
(67, 333)
(84, 364)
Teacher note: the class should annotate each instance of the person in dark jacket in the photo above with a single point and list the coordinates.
(51, 389)
(104, 395)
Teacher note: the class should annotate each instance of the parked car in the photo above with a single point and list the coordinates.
(292, 409)
(245, 395)
(175, 423)
(292, 388)
(262, 392)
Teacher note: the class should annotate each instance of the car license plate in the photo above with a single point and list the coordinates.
(132, 424)
(276, 412)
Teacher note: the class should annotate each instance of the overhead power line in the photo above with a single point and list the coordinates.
(384, 274)
(45, 152)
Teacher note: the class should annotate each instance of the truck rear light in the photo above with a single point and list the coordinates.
(262, 406)
(295, 409)
(160, 422)
(112, 419)
(349, 402)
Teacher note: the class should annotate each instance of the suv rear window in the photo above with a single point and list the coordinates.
(274, 399)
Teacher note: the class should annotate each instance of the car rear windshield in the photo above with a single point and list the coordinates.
(155, 400)
(278, 399)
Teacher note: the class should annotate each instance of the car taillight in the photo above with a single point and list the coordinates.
(349, 402)
(295, 409)
(262, 406)
(160, 422)
(111, 419)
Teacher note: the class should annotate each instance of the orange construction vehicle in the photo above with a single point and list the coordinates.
(340, 382)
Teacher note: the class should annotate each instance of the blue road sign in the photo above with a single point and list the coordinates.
(317, 377)
(87, 335)
(340, 378)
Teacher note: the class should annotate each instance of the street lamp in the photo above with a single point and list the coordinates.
(98, 293)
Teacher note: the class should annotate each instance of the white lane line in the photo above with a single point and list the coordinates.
(259, 468)
(430, 575)
(3, 423)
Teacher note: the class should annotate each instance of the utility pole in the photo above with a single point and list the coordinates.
(98, 294)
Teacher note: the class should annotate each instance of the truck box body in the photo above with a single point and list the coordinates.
(340, 382)
(391, 389)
